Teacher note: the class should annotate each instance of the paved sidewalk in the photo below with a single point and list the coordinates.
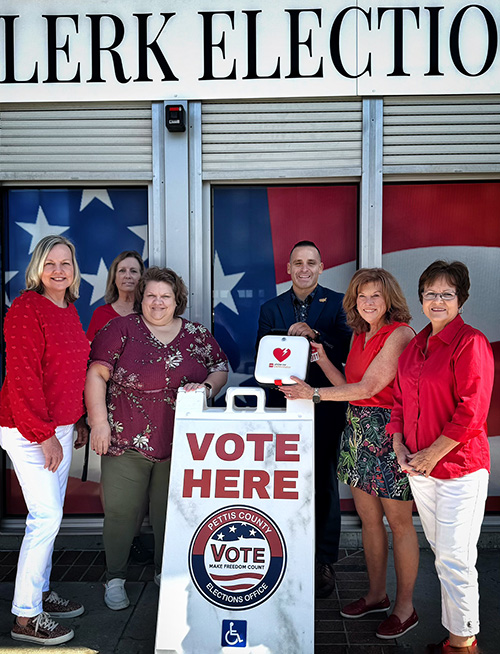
(79, 574)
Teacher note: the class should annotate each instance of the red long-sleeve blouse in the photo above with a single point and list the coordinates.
(47, 353)
(446, 390)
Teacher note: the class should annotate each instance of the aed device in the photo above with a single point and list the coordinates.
(175, 118)
(280, 357)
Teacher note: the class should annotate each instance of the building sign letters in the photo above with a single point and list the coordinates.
(202, 49)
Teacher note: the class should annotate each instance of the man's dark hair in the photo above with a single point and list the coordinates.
(305, 244)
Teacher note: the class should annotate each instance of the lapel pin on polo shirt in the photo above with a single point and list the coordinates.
(323, 299)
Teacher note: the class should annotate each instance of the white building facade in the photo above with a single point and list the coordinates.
(371, 128)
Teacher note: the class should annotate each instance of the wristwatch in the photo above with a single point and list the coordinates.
(316, 396)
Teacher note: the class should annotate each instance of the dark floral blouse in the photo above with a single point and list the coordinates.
(145, 376)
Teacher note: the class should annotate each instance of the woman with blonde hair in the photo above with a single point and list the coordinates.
(40, 403)
(377, 312)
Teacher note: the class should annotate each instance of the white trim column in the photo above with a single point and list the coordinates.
(156, 222)
(177, 197)
(370, 222)
(169, 215)
(180, 216)
(200, 226)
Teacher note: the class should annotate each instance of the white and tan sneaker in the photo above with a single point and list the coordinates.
(115, 595)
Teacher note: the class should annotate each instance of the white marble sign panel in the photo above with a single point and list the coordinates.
(238, 565)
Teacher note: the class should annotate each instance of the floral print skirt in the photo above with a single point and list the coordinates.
(367, 460)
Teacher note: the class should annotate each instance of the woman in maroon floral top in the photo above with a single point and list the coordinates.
(137, 364)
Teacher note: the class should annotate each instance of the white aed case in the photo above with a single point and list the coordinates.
(279, 357)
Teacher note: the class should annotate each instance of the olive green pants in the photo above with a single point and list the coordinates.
(126, 481)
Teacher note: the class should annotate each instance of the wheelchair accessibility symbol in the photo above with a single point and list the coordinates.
(234, 633)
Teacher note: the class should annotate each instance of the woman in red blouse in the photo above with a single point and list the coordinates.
(377, 312)
(40, 402)
(441, 400)
(123, 276)
(137, 364)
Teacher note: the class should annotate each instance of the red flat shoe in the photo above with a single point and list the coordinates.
(360, 608)
(394, 628)
(444, 647)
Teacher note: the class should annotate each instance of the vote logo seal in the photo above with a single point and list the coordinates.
(237, 557)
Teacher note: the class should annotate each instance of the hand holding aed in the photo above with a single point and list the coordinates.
(299, 391)
(318, 353)
(301, 329)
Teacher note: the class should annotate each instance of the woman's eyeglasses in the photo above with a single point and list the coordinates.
(447, 297)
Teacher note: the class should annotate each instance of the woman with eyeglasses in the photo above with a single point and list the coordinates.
(441, 400)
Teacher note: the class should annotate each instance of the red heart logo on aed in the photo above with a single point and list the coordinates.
(281, 354)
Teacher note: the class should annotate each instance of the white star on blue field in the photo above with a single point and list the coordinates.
(236, 531)
(101, 223)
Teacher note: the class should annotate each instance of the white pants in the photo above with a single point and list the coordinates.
(43, 493)
(451, 511)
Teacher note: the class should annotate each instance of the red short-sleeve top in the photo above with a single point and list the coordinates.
(360, 357)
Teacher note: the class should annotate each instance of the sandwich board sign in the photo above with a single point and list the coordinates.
(238, 560)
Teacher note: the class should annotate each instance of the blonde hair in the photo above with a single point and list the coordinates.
(35, 267)
(397, 308)
(111, 294)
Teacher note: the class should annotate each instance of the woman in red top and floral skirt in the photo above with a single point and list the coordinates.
(40, 402)
(377, 312)
(441, 399)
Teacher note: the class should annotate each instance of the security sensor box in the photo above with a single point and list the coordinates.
(175, 118)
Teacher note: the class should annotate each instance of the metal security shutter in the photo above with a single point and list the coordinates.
(63, 142)
(450, 134)
(270, 140)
